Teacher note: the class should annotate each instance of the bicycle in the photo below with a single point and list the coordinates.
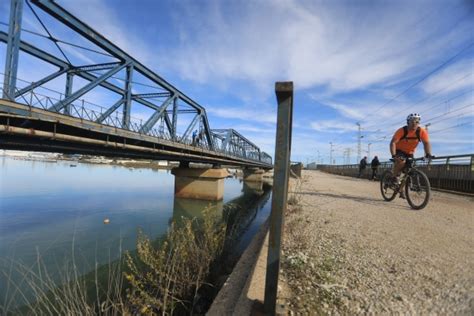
(416, 183)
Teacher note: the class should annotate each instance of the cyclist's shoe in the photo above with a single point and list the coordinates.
(395, 183)
(402, 195)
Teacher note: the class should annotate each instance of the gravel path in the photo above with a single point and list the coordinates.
(346, 251)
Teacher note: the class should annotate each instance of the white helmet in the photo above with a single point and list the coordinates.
(413, 116)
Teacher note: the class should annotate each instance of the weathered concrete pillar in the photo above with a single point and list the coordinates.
(253, 175)
(199, 183)
(253, 187)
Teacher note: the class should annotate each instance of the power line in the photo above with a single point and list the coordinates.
(452, 111)
(458, 125)
(433, 94)
(437, 105)
(53, 39)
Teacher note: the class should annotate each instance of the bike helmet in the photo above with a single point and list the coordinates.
(413, 116)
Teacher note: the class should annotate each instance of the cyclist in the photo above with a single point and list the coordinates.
(404, 143)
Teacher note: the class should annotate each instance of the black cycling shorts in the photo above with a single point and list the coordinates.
(402, 154)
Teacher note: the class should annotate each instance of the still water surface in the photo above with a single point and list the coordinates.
(52, 211)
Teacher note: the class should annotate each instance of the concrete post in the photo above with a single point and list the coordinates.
(199, 183)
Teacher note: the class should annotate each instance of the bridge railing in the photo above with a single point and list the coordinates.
(455, 173)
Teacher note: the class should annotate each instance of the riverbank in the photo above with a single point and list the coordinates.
(54, 157)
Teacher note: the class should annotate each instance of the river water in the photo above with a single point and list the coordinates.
(52, 212)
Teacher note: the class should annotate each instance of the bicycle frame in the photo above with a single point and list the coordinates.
(412, 182)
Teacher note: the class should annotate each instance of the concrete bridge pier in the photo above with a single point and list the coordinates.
(253, 175)
(251, 187)
(199, 183)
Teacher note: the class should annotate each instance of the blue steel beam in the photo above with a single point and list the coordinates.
(168, 123)
(68, 91)
(175, 119)
(62, 103)
(13, 50)
(191, 126)
(38, 53)
(127, 105)
(44, 56)
(156, 116)
(96, 67)
(40, 82)
(151, 95)
(109, 111)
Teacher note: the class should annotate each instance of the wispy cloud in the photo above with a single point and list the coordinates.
(354, 112)
(313, 44)
(254, 114)
(333, 126)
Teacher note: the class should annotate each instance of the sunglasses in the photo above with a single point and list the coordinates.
(415, 121)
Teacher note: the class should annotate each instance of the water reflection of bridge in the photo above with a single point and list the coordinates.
(235, 212)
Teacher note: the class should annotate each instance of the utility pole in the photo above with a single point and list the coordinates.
(330, 154)
(359, 137)
(348, 156)
(318, 162)
(368, 150)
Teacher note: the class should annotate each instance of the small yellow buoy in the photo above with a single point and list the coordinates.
(106, 221)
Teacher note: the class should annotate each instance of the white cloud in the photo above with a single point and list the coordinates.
(333, 126)
(352, 111)
(243, 113)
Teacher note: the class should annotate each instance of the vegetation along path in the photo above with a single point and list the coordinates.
(346, 251)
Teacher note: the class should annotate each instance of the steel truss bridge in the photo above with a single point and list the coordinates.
(36, 117)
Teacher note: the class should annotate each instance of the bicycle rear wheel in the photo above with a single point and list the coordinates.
(387, 187)
(417, 189)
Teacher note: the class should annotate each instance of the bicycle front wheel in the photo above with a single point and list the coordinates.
(387, 187)
(417, 189)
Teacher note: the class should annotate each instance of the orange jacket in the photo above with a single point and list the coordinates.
(408, 144)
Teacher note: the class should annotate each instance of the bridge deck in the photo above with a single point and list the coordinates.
(29, 128)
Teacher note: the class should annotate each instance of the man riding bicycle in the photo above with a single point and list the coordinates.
(404, 143)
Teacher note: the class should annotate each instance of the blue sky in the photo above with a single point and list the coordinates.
(372, 62)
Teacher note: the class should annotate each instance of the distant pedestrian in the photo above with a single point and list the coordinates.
(362, 165)
(374, 164)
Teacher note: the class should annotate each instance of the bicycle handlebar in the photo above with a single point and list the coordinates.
(417, 159)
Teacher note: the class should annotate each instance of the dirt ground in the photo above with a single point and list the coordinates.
(346, 251)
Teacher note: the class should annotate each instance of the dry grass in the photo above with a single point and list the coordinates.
(158, 279)
(167, 277)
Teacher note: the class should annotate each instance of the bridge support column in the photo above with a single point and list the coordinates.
(253, 175)
(251, 187)
(199, 183)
